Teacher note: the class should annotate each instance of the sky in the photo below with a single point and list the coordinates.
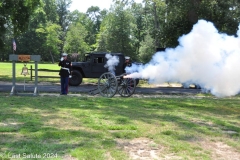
(83, 5)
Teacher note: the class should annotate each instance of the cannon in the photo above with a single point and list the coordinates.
(109, 85)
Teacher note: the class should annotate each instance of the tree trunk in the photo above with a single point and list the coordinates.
(157, 28)
(192, 13)
(52, 57)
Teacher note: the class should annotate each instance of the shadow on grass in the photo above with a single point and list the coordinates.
(24, 120)
(212, 114)
(27, 129)
(7, 78)
(33, 138)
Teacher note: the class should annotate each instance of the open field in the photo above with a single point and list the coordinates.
(6, 74)
(95, 128)
(6, 71)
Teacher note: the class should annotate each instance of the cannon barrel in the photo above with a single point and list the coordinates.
(121, 76)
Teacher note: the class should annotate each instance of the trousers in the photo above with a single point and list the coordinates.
(64, 85)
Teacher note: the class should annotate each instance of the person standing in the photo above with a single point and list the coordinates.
(65, 73)
(127, 63)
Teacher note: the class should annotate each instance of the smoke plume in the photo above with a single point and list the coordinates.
(204, 57)
(112, 62)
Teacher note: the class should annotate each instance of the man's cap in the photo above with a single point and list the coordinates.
(127, 58)
(64, 54)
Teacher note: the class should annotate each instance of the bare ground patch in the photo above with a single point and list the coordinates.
(146, 149)
(220, 150)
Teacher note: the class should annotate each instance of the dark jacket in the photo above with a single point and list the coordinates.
(125, 64)
(65, 64)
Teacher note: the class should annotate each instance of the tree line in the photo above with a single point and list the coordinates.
(48, 28)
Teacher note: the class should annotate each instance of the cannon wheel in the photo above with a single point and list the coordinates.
(107, 85)
(127, 87)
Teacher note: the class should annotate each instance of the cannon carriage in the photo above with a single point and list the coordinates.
(109, 85)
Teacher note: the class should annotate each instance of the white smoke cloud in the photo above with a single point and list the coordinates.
(134, 68)
(111, 63)
(204, 57)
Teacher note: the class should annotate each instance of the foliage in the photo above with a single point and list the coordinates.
(52, 33)
(15, 15)
(224, 14)
(147, 49)
(75, 39)
(93, 25)
(117, 32)
(63, 12)
(125, 28)
(182, 15)
(139, 29)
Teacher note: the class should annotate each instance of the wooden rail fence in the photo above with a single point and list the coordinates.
(43, 70)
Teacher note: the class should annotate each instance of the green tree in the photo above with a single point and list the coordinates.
(117, 31)
(147, 49)
(50, 9)
(182, 15)
(75, 39)
(15, 15)
(139, 32)
(101, 42)
(224, 14)
(42, 36)
(52, 31)
(93, 25)
(63, 14)
(29, 42)
(91, 20)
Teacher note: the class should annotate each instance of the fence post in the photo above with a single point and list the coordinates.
(31, 72)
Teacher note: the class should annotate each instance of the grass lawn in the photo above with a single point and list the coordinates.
(97, 128)
(6, 73)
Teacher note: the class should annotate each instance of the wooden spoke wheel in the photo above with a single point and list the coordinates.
(127, 87)
(107, 85)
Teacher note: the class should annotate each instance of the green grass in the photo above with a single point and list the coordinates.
(90, 127)
(6, 73)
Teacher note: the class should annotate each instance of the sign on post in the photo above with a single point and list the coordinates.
(24, 58)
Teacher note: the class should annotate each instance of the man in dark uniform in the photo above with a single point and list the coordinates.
(65, 73)
(128, 63)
